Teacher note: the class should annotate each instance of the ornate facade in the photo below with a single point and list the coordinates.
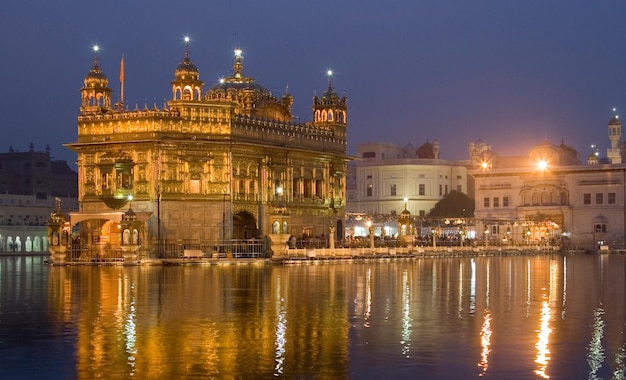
(210, 165)
(550, 196)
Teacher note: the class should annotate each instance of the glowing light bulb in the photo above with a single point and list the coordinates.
(96, 48)
(238, 53)
(329, 72)
(542, 165)
(187, 39)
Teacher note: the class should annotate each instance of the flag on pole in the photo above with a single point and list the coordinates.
(122, 70)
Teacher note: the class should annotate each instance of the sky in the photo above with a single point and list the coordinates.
(510, 73)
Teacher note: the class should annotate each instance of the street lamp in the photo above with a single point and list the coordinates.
(486, 233)
(433, 231)
(370, 229)
(542, 165)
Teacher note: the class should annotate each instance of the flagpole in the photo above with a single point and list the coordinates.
(122, 81)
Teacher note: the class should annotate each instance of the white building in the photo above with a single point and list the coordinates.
(385, 177)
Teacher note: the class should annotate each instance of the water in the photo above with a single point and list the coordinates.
(513, 317)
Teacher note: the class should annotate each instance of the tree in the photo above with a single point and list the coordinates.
(454, 205)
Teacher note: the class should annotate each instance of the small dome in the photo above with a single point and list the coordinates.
(239, 85)
(426, 151)
(96, 77)
(186, 66)
(615, 121)
(186, 70)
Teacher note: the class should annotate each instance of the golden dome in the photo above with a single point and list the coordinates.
(252, 98)
(96, 77)
(186, 69)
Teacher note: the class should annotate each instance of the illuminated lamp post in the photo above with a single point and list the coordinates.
(433, 232)
(508, 235)
(542, 165)
(459, 222)
(370, 229)
(486, 235)
(405, 226)
(280, 224)
(58, 234)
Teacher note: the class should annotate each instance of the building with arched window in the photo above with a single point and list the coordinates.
(209, 165)
(551, 197)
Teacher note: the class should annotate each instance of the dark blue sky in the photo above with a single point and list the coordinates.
(512, 73)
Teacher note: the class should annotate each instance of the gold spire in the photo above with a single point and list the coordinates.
(330, 74)
(238, 66)
(186, 39)
(121, 104)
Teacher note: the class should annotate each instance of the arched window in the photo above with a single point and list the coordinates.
(545, 198)
(536, 198)
(126, 237)
(276, 227)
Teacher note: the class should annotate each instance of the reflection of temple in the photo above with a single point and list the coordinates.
(210, 164)
(550, 196)
(163, 324)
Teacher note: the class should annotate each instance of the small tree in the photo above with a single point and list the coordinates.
(454, 205)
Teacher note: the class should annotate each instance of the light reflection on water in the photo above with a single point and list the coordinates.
(488, 317)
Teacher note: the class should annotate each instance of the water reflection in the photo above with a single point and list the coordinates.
(595, 351)
(489, 317)
(485, 331)
(406, 314)
(485, 342)
(543, 351)
(281, 328)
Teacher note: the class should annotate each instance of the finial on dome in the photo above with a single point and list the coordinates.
(238, 62)
(186, 39)
(329, 73)
(95, 49)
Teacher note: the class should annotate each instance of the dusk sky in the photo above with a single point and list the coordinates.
(511, 73)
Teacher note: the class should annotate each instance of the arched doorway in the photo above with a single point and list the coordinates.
(244, 226)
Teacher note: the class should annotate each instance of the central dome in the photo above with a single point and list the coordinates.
(251, 98)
